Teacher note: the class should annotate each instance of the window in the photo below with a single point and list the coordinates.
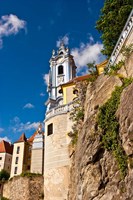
(60, 70)
(18, 150)
(50, 129)
(15, 170)
(0, 158)
(16, 161)
(28, 167)
(61, 53)
(29, 148)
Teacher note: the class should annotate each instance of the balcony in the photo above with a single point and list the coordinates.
(59, 110)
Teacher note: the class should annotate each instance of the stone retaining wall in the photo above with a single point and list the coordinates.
(25, 188)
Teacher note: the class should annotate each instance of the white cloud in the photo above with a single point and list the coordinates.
(10, 25)
(28, 105)
(46, 78)
(16, 119)
(5, 138)
(18, 126)
(65, 39)
(87, 53)
(1, 130)
(42, 94)
(89, 8)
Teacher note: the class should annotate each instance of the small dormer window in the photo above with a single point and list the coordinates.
(60, 70)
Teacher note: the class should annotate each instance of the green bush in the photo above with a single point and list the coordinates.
(107, 121)
(113, 69)
(4, 198)
(4, 175)
(29, 174)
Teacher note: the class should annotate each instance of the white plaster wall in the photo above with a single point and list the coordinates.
(20, 160)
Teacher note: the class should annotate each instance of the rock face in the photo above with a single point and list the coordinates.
(26, 188)
(94, 171)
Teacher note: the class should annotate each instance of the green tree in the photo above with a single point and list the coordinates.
(4, 175)
(111, 22)
(92, 69)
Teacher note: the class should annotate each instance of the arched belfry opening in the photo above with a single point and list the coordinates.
(60, 69)
(61, 53)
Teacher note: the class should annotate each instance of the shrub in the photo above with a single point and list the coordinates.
(4, 175)
(4, 198)
(107, 121)
(29, 174)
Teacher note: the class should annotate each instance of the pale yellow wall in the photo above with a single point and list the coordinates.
(20, 160)
(100, 70)
(37, 161)
(68, 95)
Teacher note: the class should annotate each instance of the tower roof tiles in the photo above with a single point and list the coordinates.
(22, 138)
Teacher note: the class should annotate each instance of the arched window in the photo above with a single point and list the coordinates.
(61, 53)
(60, 69)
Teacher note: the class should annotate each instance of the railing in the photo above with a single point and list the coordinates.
(126, 30)
(59, 110)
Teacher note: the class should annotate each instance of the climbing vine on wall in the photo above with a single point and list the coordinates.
(77, 114)
(108, 122)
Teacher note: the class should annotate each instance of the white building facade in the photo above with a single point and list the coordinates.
(57, 125)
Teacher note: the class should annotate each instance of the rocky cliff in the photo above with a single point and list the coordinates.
(95, 171)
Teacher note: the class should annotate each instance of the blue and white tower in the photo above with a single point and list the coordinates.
(62, 70)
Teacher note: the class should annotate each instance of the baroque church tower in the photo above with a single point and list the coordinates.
(62, 70)
(57, 125)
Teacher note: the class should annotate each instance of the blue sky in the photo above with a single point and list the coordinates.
(29, 31)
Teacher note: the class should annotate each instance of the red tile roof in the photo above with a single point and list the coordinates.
(78, 78)
(22, 138)
(6, 147)
(30, 140)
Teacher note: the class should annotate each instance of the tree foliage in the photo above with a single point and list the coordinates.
(113, 17)
(92, 69)
(4, 175)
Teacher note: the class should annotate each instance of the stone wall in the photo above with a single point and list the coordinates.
(25, 188)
